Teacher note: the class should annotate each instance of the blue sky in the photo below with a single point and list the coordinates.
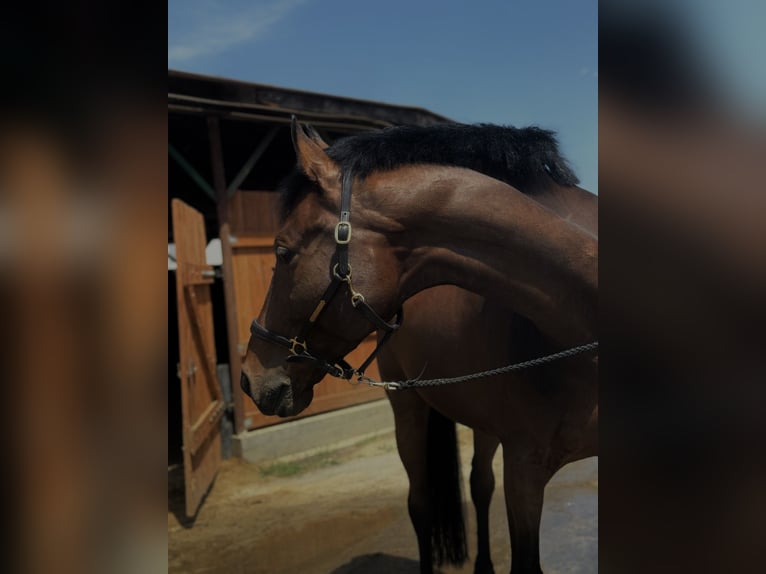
(507, 62)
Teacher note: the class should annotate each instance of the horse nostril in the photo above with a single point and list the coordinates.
(244, 382)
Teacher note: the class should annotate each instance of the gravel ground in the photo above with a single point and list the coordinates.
(345, 512)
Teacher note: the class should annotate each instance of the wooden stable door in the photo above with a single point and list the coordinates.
(202, 402)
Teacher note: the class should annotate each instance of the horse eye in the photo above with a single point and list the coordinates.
(284, 254)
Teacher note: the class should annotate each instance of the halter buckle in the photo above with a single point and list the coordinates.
(341, 225)
(298, 347)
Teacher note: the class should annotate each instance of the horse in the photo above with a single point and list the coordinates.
(458, 342)
(418, 226)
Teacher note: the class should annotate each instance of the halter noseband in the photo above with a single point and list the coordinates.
(341, 273)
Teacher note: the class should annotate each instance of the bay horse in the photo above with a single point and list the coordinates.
(459, 341)
(420, 226)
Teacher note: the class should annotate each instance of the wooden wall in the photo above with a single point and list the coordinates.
(253, 219)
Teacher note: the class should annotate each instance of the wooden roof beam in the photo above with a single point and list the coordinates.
(191, 172)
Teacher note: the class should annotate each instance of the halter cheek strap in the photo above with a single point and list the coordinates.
(341, 273)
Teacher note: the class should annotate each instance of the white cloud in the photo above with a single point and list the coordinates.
(213, 28)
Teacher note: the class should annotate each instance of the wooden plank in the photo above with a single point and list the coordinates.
(200, 399)
(254, 213)
(205, 425)
(196, 274)
(224, 233)
(206, 354)
(252, 270)
(243, 242)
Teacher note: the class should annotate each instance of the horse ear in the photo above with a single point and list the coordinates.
(312, 159)
(316, 138)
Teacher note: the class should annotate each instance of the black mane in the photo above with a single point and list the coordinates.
(517, 156)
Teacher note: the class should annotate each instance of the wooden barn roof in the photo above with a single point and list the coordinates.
(197, 94)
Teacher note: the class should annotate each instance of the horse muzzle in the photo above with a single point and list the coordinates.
(271, 392)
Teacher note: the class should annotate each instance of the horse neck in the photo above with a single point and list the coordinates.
(572, 203)
(456, 226)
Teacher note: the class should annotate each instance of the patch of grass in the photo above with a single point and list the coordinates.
(294, 467)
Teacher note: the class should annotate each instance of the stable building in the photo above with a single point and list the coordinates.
(229, 146)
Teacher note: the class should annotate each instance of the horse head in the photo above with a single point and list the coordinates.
(334, 282)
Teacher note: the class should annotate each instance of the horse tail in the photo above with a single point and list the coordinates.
(448, 542)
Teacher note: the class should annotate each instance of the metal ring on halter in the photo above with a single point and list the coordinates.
(295, 344)
(356, 298)
(347, 278)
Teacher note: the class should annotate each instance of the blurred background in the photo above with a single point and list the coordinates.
(683, 272)
(83, 216)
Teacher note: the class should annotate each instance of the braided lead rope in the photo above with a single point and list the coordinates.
(415, 383)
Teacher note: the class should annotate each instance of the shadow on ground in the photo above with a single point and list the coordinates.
(177, 498)
(379, 563)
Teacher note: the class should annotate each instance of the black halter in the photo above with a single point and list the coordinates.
(341, 273)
